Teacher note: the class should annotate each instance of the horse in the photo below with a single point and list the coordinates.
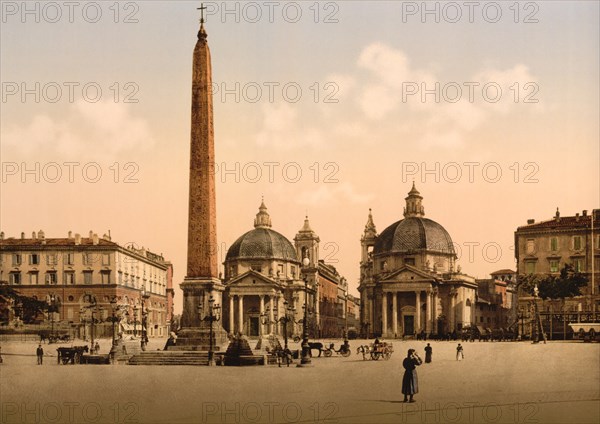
(365, 350)
(315, 345)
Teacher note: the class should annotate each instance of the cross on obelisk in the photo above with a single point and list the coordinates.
(202, 8)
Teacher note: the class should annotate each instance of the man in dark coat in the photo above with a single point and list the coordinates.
(410, 383)
(40, 355)
(428, 353)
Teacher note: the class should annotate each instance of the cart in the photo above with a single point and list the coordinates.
(70, 355)
(382, 350)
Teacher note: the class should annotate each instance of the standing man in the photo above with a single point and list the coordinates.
(428, 353)
(410, 382)
(459, 352)
(40, 355)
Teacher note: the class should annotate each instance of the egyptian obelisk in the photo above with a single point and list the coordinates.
(202, 279)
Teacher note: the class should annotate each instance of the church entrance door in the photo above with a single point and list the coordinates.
(409, 325)
(253, 326)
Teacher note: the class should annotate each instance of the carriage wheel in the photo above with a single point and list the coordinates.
(387, 355)
(346, 353)
(375, 356)
(327, 353)
(65, 360)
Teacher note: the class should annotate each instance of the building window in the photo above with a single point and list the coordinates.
(51, 278)
(51, 259)
(16, 259)
(577, 243)
(554, 244)
(530, 267)
(105, 277)
(554, 265)
(70, 258)
(409, 261)
(530, 246)
(87, 277)
(578, 265)
(280, 269)
(33, 278)
(106, 259)
(69, 278)
(15, 278)
(256, 267)
(34, 259)
(120, 277)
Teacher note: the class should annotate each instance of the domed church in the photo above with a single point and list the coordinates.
(409, 281)
(264, 277)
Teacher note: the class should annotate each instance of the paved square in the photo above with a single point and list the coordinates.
(495, 383)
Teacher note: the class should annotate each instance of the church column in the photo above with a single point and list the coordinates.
(451, 315)
(231, 311)
(384, 314)
(395, 313)
(261, 330)
(418, 311)
(241, 313)
(271, 316)
(428, 312)
(434, 312)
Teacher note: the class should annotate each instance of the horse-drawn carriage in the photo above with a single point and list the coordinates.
(54, 337)
(71, 354)
(375, 351)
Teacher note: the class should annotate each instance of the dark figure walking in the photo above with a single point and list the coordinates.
(410, 383)
(459, 353)
(428, 353)
(40, 355)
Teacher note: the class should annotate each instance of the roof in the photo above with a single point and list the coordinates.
(564, 222)
(414, 233)
(503, 271)
(262, 243)
(59, 242)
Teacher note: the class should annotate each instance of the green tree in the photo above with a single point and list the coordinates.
(565, 285)
(25, 307)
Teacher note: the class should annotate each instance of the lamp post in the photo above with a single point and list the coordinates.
(288, 316)
(346, 318)
(135, 309)
(214, 315)
(305, 361)
(51, 309)
(114, 318)
(145, 296)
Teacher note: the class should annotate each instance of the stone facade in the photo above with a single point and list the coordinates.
(75, 269)
(409, 280)
(545, 247)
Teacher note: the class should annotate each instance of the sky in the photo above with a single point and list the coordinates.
(323, 108)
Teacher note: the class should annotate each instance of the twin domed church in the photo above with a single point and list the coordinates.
(409, 280)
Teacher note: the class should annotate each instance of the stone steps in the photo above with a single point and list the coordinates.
(170, 358)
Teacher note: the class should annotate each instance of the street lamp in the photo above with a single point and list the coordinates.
(346, 318)
(145, 296)
(51, 301)
(214, 315)
(114, 317)
(288, 316)
(135, 309)
(305, 361)
(93, 308)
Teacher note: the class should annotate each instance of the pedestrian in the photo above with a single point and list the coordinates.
(0, 354)
(459, 352)
(40, 355)
(96, 348)
(428, 353)
(410, 383)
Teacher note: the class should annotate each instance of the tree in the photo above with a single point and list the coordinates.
(567, 284)
(25, 307)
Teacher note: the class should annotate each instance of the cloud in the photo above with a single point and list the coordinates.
(100, 129)
(281, 129)
(343, 193)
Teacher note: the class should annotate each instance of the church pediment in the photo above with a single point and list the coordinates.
(254, 280)
(407, 274)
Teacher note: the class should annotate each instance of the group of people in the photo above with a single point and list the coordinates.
(410, 382)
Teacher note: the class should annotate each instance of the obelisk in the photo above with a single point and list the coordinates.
(202, 279)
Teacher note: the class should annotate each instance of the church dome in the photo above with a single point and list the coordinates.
(262, 242)
(414, 232)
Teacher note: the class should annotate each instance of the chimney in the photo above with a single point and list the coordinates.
(557, 215)
(2, 235)
(577, 217)
(77, 239)
(91, 234)
(530, 221)
(33, 235)
(95, 239)
(70, 234)
(585, 212)
(22, 235)
(41, 234)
